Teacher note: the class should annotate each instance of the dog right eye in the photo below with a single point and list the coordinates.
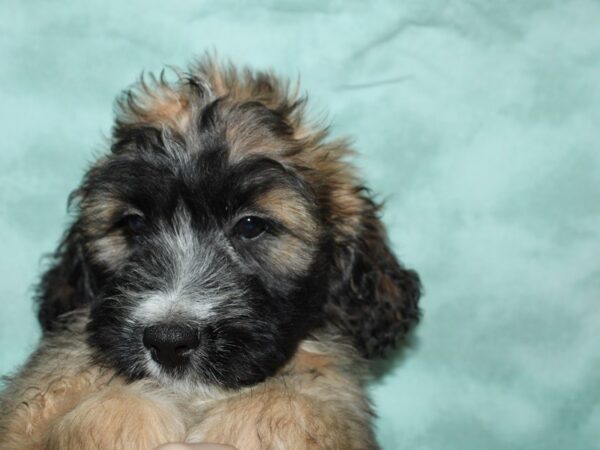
(134, 223)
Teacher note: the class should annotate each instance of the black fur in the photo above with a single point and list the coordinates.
(70, 283)
(373, 297)
(257, 313)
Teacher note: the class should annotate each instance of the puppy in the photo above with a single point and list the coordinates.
(226, 279)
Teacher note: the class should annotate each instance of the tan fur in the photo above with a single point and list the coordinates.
(316, 402)
(51, 384)
(307, 147)
(119, 417)
(59, 400)
(290, 252)
(111, 248)
(291, 209)
(27, 424)
(290, 255)
(106, 244)
(246, 139)
(331, 167)
(156, 102)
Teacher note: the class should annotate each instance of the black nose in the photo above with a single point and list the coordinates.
(170, 345)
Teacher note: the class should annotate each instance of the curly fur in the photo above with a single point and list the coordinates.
(286, 321)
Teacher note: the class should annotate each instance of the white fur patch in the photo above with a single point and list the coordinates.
(194, 280)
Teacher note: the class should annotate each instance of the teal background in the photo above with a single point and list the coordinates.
(477, 121)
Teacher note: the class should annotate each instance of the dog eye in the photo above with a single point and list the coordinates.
(134, 223)
(250, 227)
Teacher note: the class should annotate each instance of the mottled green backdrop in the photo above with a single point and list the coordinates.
(478, 123)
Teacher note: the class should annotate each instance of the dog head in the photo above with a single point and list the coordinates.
(219, 231)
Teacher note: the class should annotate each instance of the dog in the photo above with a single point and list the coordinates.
(227, 279)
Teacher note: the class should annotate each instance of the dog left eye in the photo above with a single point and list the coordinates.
(250, 227)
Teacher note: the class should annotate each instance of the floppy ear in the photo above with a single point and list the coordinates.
(373, 298)
(68, 283)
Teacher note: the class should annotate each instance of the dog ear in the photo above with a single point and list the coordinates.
(373, 297)
(68, 283)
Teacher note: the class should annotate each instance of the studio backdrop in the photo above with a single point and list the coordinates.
(476, 122)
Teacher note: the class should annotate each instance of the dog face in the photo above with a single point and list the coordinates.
(218, 232)
(221, 257)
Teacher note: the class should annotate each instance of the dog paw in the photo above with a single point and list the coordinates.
(120, 418)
